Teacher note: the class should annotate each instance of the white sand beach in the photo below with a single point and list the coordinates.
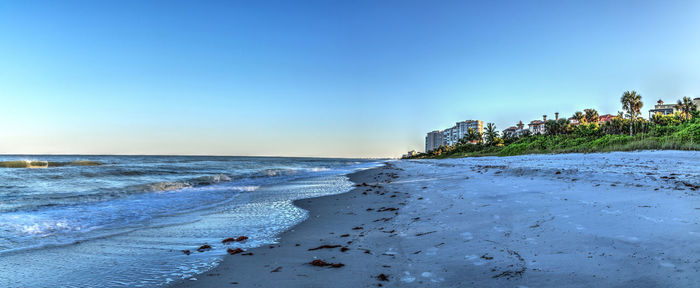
(624, 219)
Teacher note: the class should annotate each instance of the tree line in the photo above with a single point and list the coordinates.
(587, 127)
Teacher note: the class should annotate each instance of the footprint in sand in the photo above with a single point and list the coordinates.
(655, 220)
(407, 278)
(630, 239)
(476, 260)
(390, 252)
(432, 251)
(611, 212)
(467, 236)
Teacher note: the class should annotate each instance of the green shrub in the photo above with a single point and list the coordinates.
(514, 149)
(672, 134)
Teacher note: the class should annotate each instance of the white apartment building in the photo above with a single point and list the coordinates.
(433, 140)
(452, 135)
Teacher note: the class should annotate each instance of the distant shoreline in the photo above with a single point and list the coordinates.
(186, 155)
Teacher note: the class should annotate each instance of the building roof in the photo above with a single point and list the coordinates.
(606, 117)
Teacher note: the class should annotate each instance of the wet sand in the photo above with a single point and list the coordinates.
(343, 220)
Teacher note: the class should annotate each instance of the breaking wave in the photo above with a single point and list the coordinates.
(195, 182)
(45, 164)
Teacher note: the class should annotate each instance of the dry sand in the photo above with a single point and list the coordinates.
(532, 221)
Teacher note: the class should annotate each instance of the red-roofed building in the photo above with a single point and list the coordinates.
(573, 121)
(536, 127)
(605, 118)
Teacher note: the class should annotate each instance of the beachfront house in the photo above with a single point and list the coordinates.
(669, 109)
(537, 126)
(574, 121)
(510, 131)
(662, 109)
(410, 154)
(605, 118)
(515, 131)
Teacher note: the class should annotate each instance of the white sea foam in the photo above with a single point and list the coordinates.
(117, 213)
(246, 188)
(318, 169)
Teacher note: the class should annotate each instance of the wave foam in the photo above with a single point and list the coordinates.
(245, 188)
(196, 182)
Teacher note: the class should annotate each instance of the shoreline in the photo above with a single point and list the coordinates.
(97, 237)
(288, 261)
(624, 219)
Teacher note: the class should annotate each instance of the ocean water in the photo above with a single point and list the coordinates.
(68, 222)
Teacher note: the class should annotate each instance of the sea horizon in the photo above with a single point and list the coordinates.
(192, 155)
(352, 143)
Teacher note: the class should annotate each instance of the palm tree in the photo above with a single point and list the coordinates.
(685, 106)
(591, 115)
(490, 132)
(551, 127)
(579, 116)
(564, 126)
(473, 135)
(632, 103)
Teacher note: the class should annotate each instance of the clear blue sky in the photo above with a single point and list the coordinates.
(322, 78)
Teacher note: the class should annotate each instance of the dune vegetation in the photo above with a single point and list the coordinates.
(625, 132)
